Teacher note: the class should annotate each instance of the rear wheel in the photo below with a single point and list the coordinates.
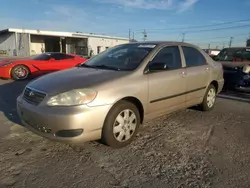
(20, 72)
(121, 125)
(209, 99)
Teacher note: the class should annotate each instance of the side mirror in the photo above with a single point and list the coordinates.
(157, 66)
(52, 59)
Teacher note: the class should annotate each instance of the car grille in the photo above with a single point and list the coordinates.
(33, 96)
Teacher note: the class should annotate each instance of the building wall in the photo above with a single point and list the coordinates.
(23, 44)
(37, 44)
(95, 43)
(77, 46)
(7, 44)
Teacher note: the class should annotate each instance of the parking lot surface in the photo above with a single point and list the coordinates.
(188, 148)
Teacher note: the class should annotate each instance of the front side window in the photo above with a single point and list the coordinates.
(123, 57)
(168, 58)
(69, 57)
(58, 56)
(42, 57)
(193, 57)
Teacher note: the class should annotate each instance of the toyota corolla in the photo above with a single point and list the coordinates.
(112, 94)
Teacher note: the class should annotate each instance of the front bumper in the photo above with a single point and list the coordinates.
(4, 72)
(48, 121)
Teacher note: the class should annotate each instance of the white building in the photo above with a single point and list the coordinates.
(25, 42)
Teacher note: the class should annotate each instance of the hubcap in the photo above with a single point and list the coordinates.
(124, 125)
(211, 98)
(21, 72)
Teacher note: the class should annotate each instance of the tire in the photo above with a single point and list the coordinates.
(208, 104)
(124, 133)
(23, 72)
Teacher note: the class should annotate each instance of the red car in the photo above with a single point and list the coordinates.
(20, 69)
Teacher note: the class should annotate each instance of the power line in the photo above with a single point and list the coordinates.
(223, 28)
(219, 37)
(216, 42)
(178, 37)
(199, 26)
(219, 42)
(215, 29)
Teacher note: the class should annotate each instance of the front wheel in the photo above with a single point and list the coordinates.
(121, 125)
(20, 72)
(209, 99)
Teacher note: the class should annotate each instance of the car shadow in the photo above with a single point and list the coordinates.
(235, 96)
(9, 91)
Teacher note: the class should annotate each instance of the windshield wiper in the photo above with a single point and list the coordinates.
(99, 67)
(85, 65)
(105, 67)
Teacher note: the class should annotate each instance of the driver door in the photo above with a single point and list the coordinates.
(166, 87)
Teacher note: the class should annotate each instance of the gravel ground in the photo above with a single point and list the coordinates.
(188, 148)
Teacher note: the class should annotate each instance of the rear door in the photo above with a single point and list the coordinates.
(197, 74)
(166, 87)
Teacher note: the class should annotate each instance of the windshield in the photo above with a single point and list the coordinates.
(42, 57)
(123, 57)
(227, 54)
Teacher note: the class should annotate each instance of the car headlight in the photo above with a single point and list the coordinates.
(73, 98)
(246, 69)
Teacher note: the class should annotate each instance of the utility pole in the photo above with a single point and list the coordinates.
(209, 46)
(144, 35)
(129, 34)
(133, 36)
(230, 42)
(183, 37)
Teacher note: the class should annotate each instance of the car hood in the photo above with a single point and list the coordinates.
(74, 78)
(7, 61)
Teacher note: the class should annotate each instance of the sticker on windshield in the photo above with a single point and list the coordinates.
(146, 46)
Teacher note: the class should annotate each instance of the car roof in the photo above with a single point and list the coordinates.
(238, 48)
(163, 43)
(53, 53)
(59, 53)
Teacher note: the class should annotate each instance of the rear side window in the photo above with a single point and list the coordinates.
(170, 56)
(193, 57)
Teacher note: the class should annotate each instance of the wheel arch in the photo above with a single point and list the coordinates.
(215, 84)
(10, 72)
(134, 101)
